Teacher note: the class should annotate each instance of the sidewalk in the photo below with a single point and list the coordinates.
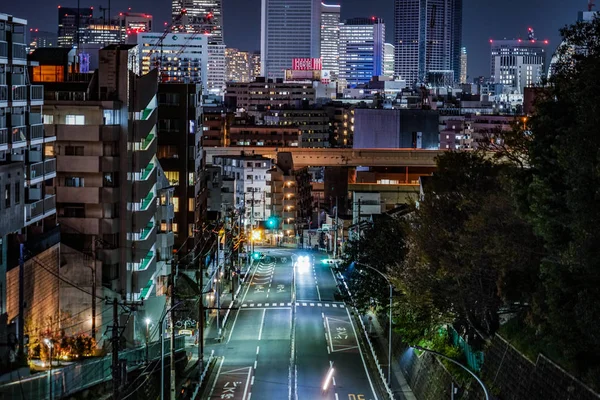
(379, 338)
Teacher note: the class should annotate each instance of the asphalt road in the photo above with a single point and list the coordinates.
(286, 334)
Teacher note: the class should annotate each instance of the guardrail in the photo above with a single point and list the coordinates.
(366, 335)
(79, 376)
(203, 375)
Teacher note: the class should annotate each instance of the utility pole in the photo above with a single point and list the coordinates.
(172, 329)
(336, 229)
(94, 287)
(21, 320)
(116, 373)
(201, 317)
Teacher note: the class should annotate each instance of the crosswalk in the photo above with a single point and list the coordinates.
(297, 304)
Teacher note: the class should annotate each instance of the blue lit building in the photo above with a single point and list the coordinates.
(362, 46)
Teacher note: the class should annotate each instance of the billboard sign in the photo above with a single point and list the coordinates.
(307, 64)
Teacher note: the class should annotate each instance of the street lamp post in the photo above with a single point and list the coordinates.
(485, 392)
(48, 342)
(147, 337)
(162, 349)
(390, 321)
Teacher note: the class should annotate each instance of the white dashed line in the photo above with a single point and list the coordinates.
(320, 305)
(312, 304)
(326, 305)
(257, 349)
(255, 364)
(252, 380)
(333, 305)
(281, 304)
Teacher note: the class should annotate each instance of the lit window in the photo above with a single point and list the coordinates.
(75, 120)
(175, 227)
(173, 177)
(176, 204)
(191, 204)
(48, 119)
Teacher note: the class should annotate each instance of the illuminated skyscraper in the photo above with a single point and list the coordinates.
(239, 65)
(203, 16)
(463, 65)
(361, 50)
(330, 39)
(427, 38)
(289, 29)
(388, 59)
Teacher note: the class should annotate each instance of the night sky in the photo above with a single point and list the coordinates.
(482, 19)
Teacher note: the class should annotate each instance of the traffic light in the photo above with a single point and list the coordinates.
(257, 255)
(272, 222)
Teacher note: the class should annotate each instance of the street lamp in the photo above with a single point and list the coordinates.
(487, 396)
(147, 320)
(50, 344)
(390, 322)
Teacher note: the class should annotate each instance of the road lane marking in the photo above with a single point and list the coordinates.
(304, 304)
(320, 305)
(336, 396)
(333, 380)
(257, 349)
(318, 292)
(312, 304)
(289, 304)
(259, 305)
(334, 305)
(217, 378)
(255, 364)
(252, 381)
(326, 304)
(262, 323)
(281, 304)
(249, 395)
(361, 355)
(244, 305)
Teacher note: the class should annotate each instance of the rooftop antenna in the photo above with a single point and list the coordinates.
(591, 4)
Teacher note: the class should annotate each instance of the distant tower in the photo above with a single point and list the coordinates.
(388, 59)
(202, 16)
(330, 39)
(428, 37)
(289, 29)
(361, 50)
(518, 63)
(463, 65)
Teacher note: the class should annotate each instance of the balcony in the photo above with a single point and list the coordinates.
(19, 52)
(3, 93)
(109, 164)
(36, 93)
(40, 209)
(3, 49)
(79, 164)
(164, 240)
(143, 127)
(142, 242)
(146, 179)
(41, 171)
(3, 138)
(143, 156)
(36, 133)
(19, 93)
(18, 137)
(84, 133)
(144, 270)
(144, 213)
(87, 195)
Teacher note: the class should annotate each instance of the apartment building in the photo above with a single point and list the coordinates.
(264, 94)
(180, 154)
(29, 237)
(250, 187)
(107, 191)
(289, 195)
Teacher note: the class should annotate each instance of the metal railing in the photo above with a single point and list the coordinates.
(49, 165)
(18, 134)
(36, 170)
(36, 92)
(19, 51)
(3, 136)
(79, 376)
(49, 203)
(34, 210)
(3, 93)
(36, 132)
(19, 93)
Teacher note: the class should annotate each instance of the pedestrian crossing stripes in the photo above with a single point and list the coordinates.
(298, 304)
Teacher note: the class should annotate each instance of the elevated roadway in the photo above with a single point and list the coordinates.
(326, 157)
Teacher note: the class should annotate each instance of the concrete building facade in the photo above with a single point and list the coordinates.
(361, 50)
(330, 39)
(277, 46)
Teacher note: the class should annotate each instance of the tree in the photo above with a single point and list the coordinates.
(562, 199)
(470, 253)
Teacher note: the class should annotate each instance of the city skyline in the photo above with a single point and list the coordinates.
(481, 22)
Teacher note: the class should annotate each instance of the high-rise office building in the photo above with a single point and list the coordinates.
(255, 59)
(39, 39)
(518, 63)
(239, 65)
(71, 24)
(181, 57)
(201, 16)
(289, 29)
(361, 50)
(134, 22)
(388, 59)
(463, 65)
(427, 38)
(330, 38)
